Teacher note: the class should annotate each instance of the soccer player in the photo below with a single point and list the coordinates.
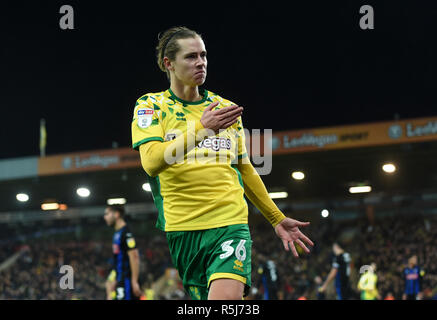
(319, 294)
(340, 270)
(192, 148)
(368, 284)
(413, 275)
(110, 285)
(269, 277)
(126, 259)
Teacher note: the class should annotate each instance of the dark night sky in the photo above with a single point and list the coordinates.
(308, 61)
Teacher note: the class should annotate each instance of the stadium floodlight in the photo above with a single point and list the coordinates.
(22, 197)
(360, 189)
(278, 195)
(298, 175)
(389, 167)
(325, 213)
(115, 201)
(83, 192)
(146, 187)
(50, 206)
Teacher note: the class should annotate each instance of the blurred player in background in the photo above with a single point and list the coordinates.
(201, 203)
(269, 277)
(126, 258)
(413, 275)
(340, 270)
(368, 284)
(319, 282)
(110, 285)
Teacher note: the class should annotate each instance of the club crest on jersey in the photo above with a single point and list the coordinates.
(144, 117)
(131, 243)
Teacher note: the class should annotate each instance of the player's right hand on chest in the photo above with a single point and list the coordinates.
(220, 119)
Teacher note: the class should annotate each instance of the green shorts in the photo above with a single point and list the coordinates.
(205, 255)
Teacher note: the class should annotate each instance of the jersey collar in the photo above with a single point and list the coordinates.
(203, 93)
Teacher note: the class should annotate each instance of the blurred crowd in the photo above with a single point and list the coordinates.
(388, 242)
(36, 274)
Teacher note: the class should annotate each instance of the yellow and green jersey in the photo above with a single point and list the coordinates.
(205, 190)
(367, 285)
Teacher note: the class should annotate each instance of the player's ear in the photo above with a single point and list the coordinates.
(168, 64)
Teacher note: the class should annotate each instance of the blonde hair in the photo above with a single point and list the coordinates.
(168, 45)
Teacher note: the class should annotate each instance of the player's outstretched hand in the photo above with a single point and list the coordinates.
(221, 118)
(288, 231)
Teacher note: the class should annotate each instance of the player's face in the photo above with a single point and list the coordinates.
(189, 66)
(335, 248)
(413, 260)
(109, 217)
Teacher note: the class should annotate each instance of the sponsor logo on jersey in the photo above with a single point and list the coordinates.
(142, 112)
(215, 144)
(131, 243)
(145, 117)
(412, 276)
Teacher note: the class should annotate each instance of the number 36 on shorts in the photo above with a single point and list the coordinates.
(240, 250)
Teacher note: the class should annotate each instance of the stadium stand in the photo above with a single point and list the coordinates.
(388, 242)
